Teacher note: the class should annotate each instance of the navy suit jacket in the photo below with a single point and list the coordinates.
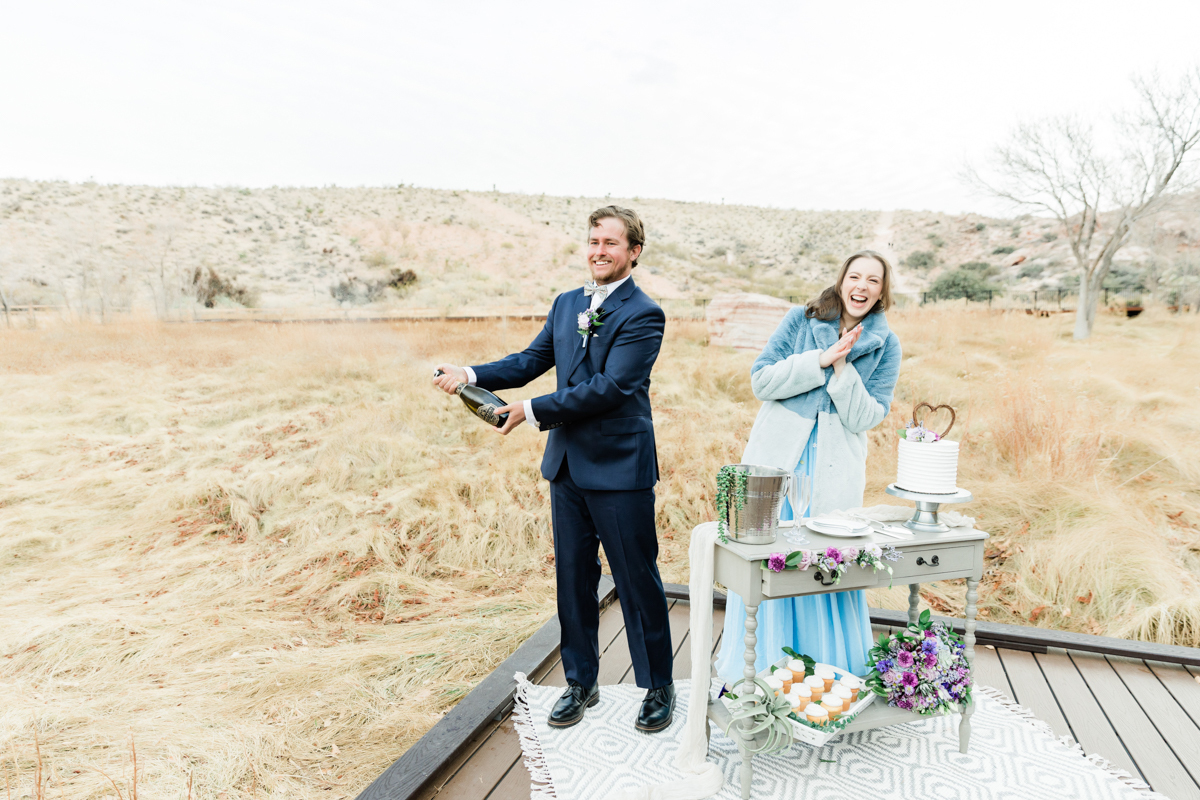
(603, 395)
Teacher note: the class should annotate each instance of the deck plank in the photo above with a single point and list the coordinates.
(1182, 686)
(1089, 725)
(682, 668)
(513, 785)
(989, 671)
(1157, 764)
(1167, 716)
(475, 778)
(1031, 690)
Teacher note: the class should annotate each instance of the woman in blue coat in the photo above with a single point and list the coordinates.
(825, 378)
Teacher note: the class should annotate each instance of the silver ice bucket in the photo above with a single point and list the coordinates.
(758, 520)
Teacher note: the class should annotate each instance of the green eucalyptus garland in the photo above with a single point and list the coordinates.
(731, 491)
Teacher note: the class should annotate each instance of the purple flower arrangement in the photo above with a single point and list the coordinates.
(923, 668)
(916, 432)
(834, 561)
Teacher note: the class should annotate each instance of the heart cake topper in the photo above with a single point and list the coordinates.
(933, 410)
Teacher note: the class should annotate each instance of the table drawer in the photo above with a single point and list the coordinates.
(934, 560)
(793, 581)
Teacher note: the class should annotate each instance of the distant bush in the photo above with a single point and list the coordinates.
(980, 227)
(1049, 236)
(1128, 280)
(920, 259)
(1030, 271)
(960, 283)
(1003, 249)
(935, 240)
(357, 291)
(209, 287)
(981, 268)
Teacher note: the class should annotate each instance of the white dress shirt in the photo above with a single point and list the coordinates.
(597, 301)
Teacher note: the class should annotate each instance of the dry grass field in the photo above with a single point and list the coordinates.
(271, 556)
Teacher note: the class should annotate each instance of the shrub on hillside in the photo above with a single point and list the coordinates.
(960, 283)
(209, 287)
(1003, 250)
(356, 291)
(981, 268)
(920, 259)
(1030, 271)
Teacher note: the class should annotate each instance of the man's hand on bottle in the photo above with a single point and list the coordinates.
(516, 415)
(450, 378)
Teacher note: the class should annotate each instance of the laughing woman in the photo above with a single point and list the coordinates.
(825, 378)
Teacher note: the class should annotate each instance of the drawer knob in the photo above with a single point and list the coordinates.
(933, 562)
(820, 576)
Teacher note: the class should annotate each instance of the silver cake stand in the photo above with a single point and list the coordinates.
(926, 517)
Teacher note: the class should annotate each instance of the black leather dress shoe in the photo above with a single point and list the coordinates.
(657, 709)
(569, 708)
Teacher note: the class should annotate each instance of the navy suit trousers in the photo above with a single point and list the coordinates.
(623, 521)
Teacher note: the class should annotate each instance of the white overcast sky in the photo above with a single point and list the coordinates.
(810, 105)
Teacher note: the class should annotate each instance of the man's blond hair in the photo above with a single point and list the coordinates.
(635, 232)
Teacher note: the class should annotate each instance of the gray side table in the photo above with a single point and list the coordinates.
(927, 556)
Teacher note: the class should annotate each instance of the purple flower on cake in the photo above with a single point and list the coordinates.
(776, 562)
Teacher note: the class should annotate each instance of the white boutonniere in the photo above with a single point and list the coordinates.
(588, 322)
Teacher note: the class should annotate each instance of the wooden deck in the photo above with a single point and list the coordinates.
(1141, 715)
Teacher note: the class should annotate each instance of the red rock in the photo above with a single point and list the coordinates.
(744, 321)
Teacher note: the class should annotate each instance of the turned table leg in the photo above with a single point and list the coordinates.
(964, 725)
(914, 600)
(749, 672)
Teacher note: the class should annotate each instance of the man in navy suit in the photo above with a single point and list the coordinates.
(600, 460)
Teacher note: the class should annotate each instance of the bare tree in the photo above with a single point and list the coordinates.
(1097, 194)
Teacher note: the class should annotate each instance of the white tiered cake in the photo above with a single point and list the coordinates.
(928, 467)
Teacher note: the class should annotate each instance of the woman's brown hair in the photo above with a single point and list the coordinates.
(828, 304)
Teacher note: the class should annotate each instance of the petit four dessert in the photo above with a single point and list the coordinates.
(814, 713)
(826, 674)
(832, 705)
(816, 685)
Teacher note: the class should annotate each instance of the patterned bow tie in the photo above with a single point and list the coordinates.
(590, 288)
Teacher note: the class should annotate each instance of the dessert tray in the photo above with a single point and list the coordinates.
(811, 733)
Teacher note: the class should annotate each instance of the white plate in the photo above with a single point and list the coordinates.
(818, 525)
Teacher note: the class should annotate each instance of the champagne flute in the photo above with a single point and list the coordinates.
(799, 494)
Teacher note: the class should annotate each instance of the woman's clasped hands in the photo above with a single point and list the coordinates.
(835, 356)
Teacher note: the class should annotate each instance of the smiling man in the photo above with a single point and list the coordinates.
(600, 460)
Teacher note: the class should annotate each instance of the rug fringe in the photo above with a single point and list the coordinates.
(1124, 776)
(541, 784)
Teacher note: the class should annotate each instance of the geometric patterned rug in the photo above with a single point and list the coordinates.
(1012, 756)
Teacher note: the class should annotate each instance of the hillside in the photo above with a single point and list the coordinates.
(105, 248)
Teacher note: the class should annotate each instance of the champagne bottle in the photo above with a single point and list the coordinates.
(483, 404)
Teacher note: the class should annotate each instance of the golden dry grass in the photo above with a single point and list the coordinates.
(275, 555)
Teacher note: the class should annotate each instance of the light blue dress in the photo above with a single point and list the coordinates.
(832, 628)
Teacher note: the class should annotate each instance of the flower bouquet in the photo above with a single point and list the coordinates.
(922, 668)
